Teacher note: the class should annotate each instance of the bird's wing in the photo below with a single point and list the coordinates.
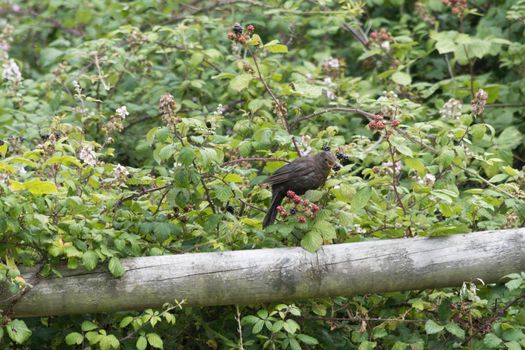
(298, 168)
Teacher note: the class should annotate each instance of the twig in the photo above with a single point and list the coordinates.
(499, 313)
(161, 200)
(239, 326)
(140, 194)
(297, 120)
(254, 159)
(280, 108)
(360, 319)
(396, 192)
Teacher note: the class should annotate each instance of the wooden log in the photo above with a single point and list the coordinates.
(278, 275)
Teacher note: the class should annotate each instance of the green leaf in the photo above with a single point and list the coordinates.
(39, 187)
(417, 165)
(240, 82)
(491, 341)
(513, 345)
(276, 48)
(312, 241)
(313, 195)
(361, 198)
(445, 46)
(115, 267)
(455, 330)
(307, 339)
(88, 326)
(155, 341)
(291, 326)
(74, 338)
(223, 193)
(432, 327)
(142, 343)
(186, 156)
(125, 321)
(18, 331)
(3, 149)
(325, 229)
(166, 151)
(90, 260)
(401, 78)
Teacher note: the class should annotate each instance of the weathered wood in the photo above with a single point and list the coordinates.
(285, 274)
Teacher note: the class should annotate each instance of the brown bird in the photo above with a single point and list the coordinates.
(301, 175)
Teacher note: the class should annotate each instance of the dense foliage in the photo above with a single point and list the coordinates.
(147, 127)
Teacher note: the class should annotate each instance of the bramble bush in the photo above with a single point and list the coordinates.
(147, 127)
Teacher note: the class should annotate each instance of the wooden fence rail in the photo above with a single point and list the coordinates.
(278, 275)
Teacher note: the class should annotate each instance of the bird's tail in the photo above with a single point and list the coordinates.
(271, 214)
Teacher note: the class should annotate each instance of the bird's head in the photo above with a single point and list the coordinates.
(327, 159)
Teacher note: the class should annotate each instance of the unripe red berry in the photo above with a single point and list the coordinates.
(250, 28)
(242, 39)
(290, 194)
(395, 122)
(302, 219)
(297, 199)
(315, 208)
(231, 36)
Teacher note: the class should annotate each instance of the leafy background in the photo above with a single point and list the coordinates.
(124, 126)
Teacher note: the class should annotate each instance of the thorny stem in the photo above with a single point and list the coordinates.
(408, 232)
(281, 109)
(498, 313)
(297, 120)
(239, 326)
(254, 159)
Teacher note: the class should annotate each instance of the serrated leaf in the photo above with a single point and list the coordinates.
(90, 260)
(39, 187)
(401, 78)
(417, 165)
(308, 340)
(455, 330)
(491, 341)
(88, 326)
(155, 341)
(361, 198)
(74, 338)
(142, 343)
(240, 82)
(186, 156)
(432, 327)
(276, 48)
(166, 152)
(115, 267)
(312, 241)
(223, 193)
(18, 331)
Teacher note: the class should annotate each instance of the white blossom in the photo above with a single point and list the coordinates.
(388, 166)
(3, 178)
(21, 170)
(11, 72)
(122, 112)
(428, 179)
(88, 155)
(332, 63)
(121, 172)
(451, 109)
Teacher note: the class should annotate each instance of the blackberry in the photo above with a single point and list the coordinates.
(339, 155)
(326, 148)
(230, 209)
(336, 168)
(237, 28)
(293, 211)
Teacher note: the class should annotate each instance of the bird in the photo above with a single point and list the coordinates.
(303, 174)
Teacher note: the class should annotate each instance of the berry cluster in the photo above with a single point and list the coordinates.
(458, 6)
(379, 123)
(343, 158)
(380, 36)
(301, 206)
(336, 167)
(239, 35)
